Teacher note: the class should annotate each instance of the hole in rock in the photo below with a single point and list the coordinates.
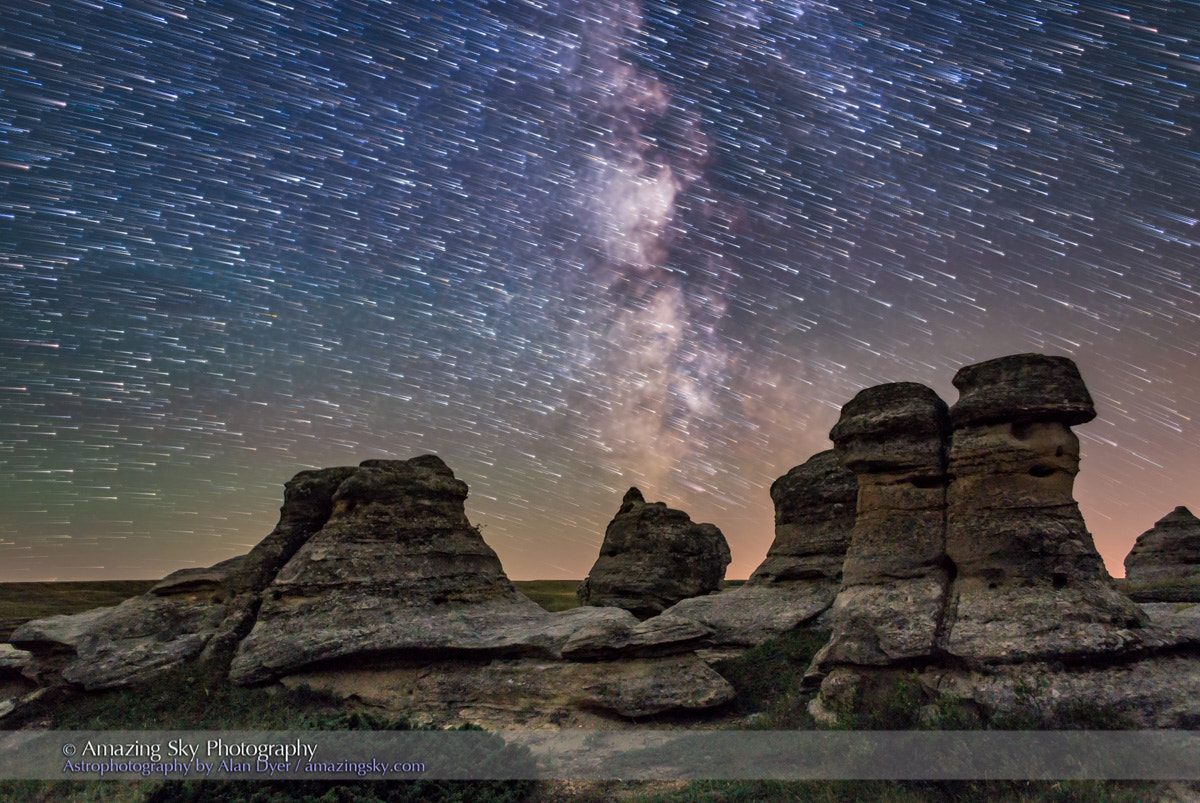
(1041, 471)
(1021, 431)
(1059, 580)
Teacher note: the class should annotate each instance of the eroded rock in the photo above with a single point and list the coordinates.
(799, 579)
(894, 579)
(652, 557)
(192, 614)
(397, 566)
(1030, 583)
(815, 507)
(1165, 561)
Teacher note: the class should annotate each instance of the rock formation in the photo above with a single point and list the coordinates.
(377, 568)
(1007, 604)
(193, 614)
(1165, 561)
(1030, 583)
(815, 506)
(396, 567)
(798, 580)
(652, 557)
(891, 603)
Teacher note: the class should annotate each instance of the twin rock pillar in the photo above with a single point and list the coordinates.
(968, 543)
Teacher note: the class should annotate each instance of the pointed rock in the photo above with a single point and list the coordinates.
(652, 557)
(1167, 555)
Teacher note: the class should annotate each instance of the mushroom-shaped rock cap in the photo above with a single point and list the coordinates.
(893, 426)
(1021, 388)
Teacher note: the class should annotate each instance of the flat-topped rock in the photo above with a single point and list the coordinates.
(1020, 388)
(894, 579)
(1030, 583)
(652, 557)
(898, 427)
(397, 566)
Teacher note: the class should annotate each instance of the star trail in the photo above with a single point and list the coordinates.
(569, 246)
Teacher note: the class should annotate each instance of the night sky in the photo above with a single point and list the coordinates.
(569, 247)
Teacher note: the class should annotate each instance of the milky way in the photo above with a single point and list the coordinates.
(569, 247)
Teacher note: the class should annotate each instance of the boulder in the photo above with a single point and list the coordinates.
(748, 615)
(652, 557)
(891, 602)
(192, 614)
(1030, 583)
(1166, 559)
(627, 637)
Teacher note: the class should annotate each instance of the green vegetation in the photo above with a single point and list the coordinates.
(187, 699)
(767, 680)
(553, 595)
(1161, 590)
(902, 792)
(20, 602)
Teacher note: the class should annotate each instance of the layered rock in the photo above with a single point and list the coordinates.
(814, 514)
(1030, 582)
(1029, 618)
(193, 614)
(397, 566)
(1165, 561)
(815, 507)
(894, 579)
(652, 557)
(398, 579)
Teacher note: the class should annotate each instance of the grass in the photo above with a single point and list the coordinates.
(767, 680)
(553, 595)
(20, 602)
(188, 699)
(1161, 590)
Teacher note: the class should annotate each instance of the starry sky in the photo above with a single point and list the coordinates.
(569, 246)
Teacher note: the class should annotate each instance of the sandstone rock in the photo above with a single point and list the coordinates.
(894, 578)
(628, 637)
(751, 614)
(798, 580)
(652, 557)
(1029, 581)
(191, 614)
(119, 646)
(397, 567)
(1157, 692)
(1168, 554)
(1022, 388)
(527, 692)
(14, 660)
(814, 513)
